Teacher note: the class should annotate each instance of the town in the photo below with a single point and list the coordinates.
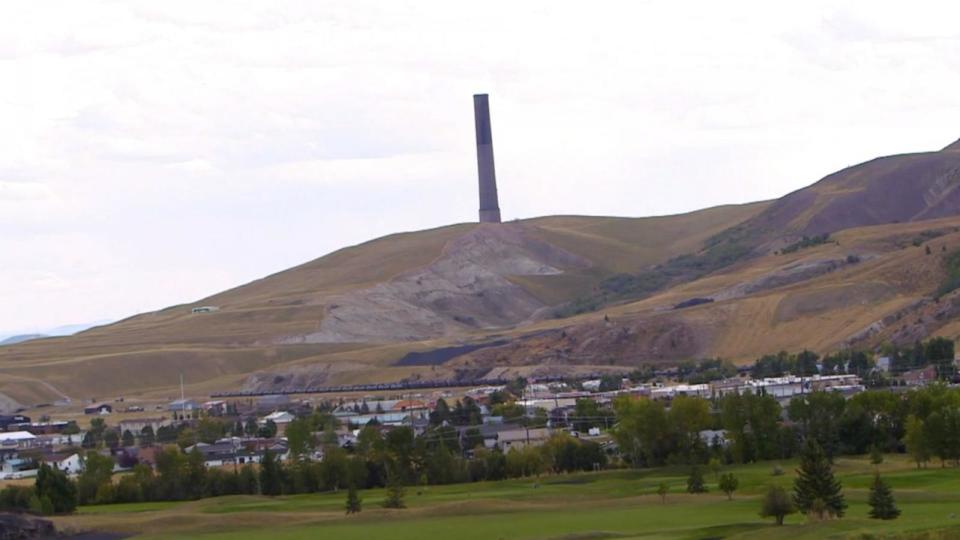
(479, 433)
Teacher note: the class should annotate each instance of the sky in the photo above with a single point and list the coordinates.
(154, 153)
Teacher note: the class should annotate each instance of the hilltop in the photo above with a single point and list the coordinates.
(856, 258)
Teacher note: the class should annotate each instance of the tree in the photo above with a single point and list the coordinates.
(112, 439)
(395, 492)
(916, 441)
(729, 484)
(97, 470)
(440, 413)
(186, 438)
(128, 439)
(300, 439)
(662, 491)
(147, 436)
(53, 484)
(816, 490)
(881, 501)
(210, 429)
(353, 500)
(271, 474)
(777, 504)
(876, 456)
(695, 481)
(268, 430)
(97, 427)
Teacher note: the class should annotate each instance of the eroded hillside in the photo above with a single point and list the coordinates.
(857, 258)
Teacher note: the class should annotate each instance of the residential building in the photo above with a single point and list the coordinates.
(137, 425)
(98, 408)
(18, 439)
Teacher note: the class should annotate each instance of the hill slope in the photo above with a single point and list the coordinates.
(713, 282)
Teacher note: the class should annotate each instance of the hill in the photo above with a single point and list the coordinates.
(858, 257)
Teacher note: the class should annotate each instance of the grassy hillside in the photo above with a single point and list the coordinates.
(147, 352)
(879, 269)
(617, 504)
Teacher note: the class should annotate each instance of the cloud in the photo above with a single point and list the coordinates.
(159, 152)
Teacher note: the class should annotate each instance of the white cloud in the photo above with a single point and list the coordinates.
(158, 152)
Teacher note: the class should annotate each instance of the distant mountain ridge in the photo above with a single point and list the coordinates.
(21, 338)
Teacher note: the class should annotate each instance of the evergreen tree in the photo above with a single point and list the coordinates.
(695, 481)
(816, 490)
(271, 474)
(128, 439)
(876, 456)
(729, 484)
(881, 501)
(395, 492)
(353, 500)
(147, 436)
(777, 504)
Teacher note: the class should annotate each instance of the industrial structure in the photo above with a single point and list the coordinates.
(489, 205)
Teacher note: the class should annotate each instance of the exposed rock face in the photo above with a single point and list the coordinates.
(624, 342)
(467, 287)
(23, 527)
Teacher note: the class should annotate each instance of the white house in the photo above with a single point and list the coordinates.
(18, 439)
(68, 462)
(278, 418)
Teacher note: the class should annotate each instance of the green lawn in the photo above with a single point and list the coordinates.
(614, 504)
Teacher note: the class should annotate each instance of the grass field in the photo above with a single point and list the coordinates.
(614, 504)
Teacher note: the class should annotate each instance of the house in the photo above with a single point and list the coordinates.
(712, 437)
(215, 408)
(670, 392)
(920, 377)
(53, 440)
(506, 436)
(18, 439)
(13, 465)
(46, 428)
(280, 419)
(521, 437)
(883, 364)
(148, 455)
(137, 425)
(98, 408)
(182, 405)
(592, 386)
(68, 462)
(226, 452)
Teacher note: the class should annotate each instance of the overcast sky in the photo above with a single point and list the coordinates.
(154, 153)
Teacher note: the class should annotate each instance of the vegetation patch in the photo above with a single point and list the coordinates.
(719, 252)
(806, 242)
(951, 267)
(693, 302)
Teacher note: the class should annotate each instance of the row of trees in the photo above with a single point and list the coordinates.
(395, 458)
(924, 422)
(936, 351)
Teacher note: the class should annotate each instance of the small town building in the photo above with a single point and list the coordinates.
(17, 439)
(137, 425)
(98, 408)
(68, 462)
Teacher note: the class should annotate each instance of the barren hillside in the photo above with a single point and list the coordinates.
(553, 294)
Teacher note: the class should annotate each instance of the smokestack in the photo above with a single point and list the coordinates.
(489, 206)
